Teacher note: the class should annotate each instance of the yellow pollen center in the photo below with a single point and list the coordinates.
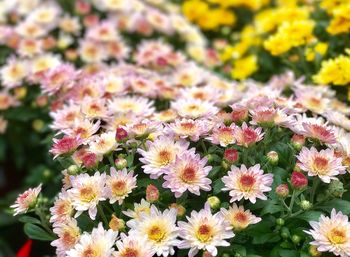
(156, 233)
(130, 252)
(87, 194)
(337, 236)
(90, 252)
(119, 187)
(246, 183)
(165, 157)
(188, 175)
(204, 233)
(320, 165)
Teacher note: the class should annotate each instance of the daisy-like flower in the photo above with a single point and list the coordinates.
(188, 172)
(247, 136)
(317, 129)
(204, 231)
(160, 154)
(159, 228)
(324, 164)
(238, 217)
(194, 108)
(13, 73)
(68, 234)
(119, 185)
(84, 129)
(223, 136)
(86, 192)
(64, 145)
(188, 128)
(103, 144)
(26, 200)
(94, 108)
(263, 116)
(62, 208)
(131, 246)
(331, 234)
(97, 244)
(137, 105)
(143, 128)
(139, 208)
(248, 184)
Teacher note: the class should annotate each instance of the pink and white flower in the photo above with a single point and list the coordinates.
(26, 200)
(133, 246)
(238, 217)
(249, 184)
(247, 135)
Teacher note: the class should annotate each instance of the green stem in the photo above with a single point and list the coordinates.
(102, 214)
(314, 187)
(111, 160)
(292, 200)
(44, 223)
(204, 147)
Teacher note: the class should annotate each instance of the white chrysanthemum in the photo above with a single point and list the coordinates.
(323, 164)
(188, 172)
(223, 135)
(133, 246)
(68, 234)
(160, 154)
(26, 200)
(194, 108)
(188, 128)
(62, 208)
(139, 208)
(331, 234)
(204, 231)
(119, 185)
(137, 105)
(238, 217)
(159, 228)
(13, 72)
(248, 184)
(86, 192)
(103, 144)
(84, 129)
(97, 244)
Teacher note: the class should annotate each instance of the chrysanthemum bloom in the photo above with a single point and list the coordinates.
(188, 128)
(318, 131)
(62, 208)
(140, 106)
(194, 108)
(68, 234)
(223, 136)
(331, 234)
(188, 172)
(97, 244)
(204, 231)
(64, 145)
(248, 184)
(86, 192)
(239, 113)
(323, 164)
(263, 116)
(152, 193)
(119, 185)
(247, 136)
(94, 108)
(238, 217)
(139, 208)
(13, 72)
(160, 154)
(131, 246)
(26, 200)
(103, 144)
(143, 128)
(159, 228)
(82, 128)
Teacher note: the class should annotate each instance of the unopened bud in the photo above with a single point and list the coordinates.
(180, 210)
(305, 205)
(296, 239)
(314, 252)
(152, 193)
(73, 170)
(298, 141)
(116, 224)
(282, 190)
(120, 134)
(336, 188)
(90, 160)
(231, 155)
(298, 180)
(38, 125)
(120, 163)
(272, 156)
(214, 202)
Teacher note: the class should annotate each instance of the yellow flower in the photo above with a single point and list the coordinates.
(320, 48)
(278, 44)
(330, 5)
(334, 71)
(194, 9)
(243, 68)
(341, 20)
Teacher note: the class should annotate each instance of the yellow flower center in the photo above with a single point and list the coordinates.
(119, 187)
(246, 183)
(130, 252)
(156, 233)
(90, 252)
(87, 194)
(337, 236)
(320, 165)
(188, 175)
(204, 233)
(164, 157)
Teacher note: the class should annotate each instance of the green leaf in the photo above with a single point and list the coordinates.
(271, 207)
(239, 249)
(338, 204)
(28, 219)
(218, 185)
(310, 215)
(289, 253)
(37, 233)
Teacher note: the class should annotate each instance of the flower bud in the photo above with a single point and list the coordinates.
(298, 180)
(214, 202)
(239, 114)
(313, 251)
(152, 193)
(179, 209)
(82, 7)
(206, 254)
(73, 170)
(120, 163)
(282, 190)
(298, 141)
(305, 205)
(296, 239)
(336, 188)
(120, 135)
(20, 92)
(89, 160)
(116, 224)
(231, 155)
(38, 125)
(297, 167)
(272, 157)
(280, 221)
(41, 101)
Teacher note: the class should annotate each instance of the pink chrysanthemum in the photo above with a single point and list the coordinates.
(26, 200)
(188, 172)
(249, 184)
(238, 217)
(247, 136)
(223, 136)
